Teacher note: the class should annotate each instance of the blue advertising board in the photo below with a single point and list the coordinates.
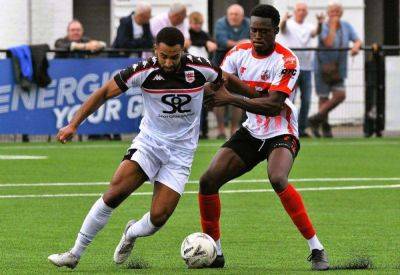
(45, 110)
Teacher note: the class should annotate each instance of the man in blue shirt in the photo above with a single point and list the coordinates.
(331, 67)
(229, 31)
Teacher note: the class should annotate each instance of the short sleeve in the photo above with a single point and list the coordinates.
(352, 33)
(210, 72)
(131, 76)
(229, 63)
(286, 74)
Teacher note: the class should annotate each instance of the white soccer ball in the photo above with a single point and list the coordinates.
(198, 250)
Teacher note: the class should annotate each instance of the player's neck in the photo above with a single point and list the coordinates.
(265, 52)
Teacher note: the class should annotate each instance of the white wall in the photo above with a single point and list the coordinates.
(33, 21)
(392, 85)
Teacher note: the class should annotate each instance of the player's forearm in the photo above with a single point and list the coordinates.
(94, 102)
(236, 86)
(261, 106)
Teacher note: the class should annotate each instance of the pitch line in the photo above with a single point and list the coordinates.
(196, 181)
(93, 146)
(362, 187)
(21, 157)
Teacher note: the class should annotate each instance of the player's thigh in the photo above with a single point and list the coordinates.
(225, 166)
(283, 151)
(163, 204)
(127, 178)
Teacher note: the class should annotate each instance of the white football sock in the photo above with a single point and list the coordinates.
(95, 220)
(314, 243)
(142, 228)
(219, 247)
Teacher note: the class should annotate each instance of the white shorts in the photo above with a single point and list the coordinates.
(160, 162)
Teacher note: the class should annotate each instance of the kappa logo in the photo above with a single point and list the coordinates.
(158, 77)
(154, 59)
(190, 57)
(189, 76)
(134, 66)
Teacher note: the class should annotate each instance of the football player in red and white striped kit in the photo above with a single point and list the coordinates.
(270, 131)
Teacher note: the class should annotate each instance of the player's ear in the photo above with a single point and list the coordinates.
(155, 47)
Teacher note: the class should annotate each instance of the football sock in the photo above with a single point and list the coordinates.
(219, 247)
(210, 212)
(95, 220)
(142, 228)
(294, 206)
(314, 243)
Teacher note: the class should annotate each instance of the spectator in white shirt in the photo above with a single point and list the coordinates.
(296, 33)
(176, 17)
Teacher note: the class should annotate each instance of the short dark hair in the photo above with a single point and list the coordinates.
(267, 11)
(170, 36)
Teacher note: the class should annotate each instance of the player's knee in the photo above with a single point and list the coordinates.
(160, 216)
(279, 181)
(208, 183)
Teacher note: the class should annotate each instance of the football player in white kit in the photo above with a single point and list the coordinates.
(270, 131)
(172, 85)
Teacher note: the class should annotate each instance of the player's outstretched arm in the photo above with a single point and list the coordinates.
(95, 100)
(270, 105)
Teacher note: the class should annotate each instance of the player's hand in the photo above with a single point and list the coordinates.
(222, 97)
(320, 17)
(66, 133)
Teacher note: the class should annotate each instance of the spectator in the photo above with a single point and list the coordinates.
(296, 33)
(229, 31)
(202, 45)
(75, 42)
(176, 17)
(331, 67)
(134, 30)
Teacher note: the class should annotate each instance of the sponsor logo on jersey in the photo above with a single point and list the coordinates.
(158, 77)
(290, 62)
(176, 102)
(189, 76)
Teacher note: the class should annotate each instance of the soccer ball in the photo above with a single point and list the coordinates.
(198, 250)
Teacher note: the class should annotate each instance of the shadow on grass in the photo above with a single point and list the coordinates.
(356, 263)
(137, 263)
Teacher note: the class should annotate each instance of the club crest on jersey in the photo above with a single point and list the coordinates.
(265, 75)
(242, 70)
(189, 76)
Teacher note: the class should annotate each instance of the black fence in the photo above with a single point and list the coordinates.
(362, 113)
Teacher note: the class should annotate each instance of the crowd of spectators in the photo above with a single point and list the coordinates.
(329, 68)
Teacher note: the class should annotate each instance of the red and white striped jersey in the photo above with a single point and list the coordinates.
(276, 72)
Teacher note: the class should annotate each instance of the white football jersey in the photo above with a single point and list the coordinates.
(172, 101)
(276, 72)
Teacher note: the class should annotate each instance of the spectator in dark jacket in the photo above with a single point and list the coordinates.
(134, 30)
(75, 42)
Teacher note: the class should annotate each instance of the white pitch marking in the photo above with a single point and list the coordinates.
(122, 145)
(196, 181)
(18, 157)
(362, 187)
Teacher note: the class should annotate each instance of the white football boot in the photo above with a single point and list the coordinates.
(125, 246)
(64, 259)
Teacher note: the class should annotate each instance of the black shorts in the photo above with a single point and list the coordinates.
(253, 150)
